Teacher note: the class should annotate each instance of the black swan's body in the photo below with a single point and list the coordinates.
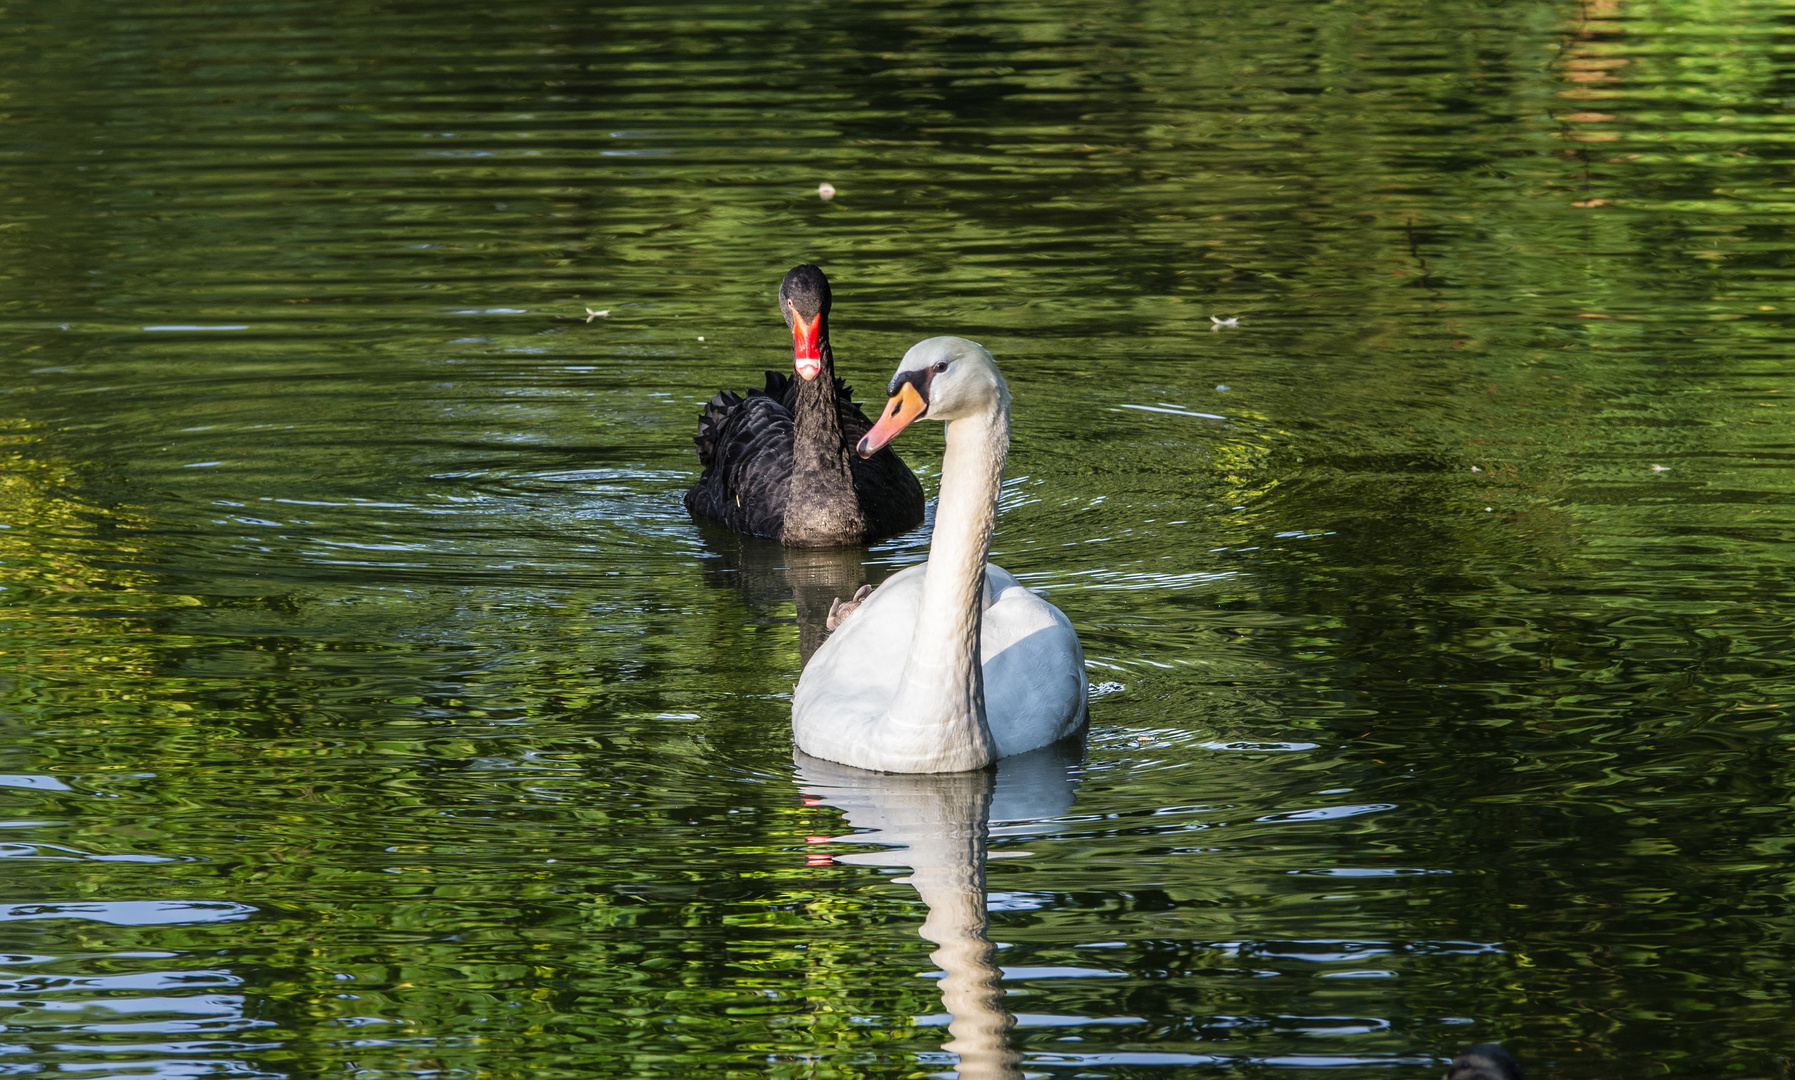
(779, 462)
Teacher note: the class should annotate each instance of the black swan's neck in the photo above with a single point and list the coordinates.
(821, 509)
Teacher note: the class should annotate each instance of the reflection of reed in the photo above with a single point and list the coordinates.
(766, 575)
(942, 822)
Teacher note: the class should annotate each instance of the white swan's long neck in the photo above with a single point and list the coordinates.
(938, 714)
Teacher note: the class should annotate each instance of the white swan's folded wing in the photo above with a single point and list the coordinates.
(852, 678)
(1035, 688)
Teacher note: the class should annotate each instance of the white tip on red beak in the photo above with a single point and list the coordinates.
(810, 369)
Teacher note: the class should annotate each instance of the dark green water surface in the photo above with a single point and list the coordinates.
(369, 706)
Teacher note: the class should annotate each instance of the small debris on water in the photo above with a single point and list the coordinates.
(700, 337)
(825, 191)
(1222, 388)
(1489, 509)
(1475, 469)
(1660, 468)
(1221, 322)
(590, 314)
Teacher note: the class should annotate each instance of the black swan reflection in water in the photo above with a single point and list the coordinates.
(767, 577)
(939, 825)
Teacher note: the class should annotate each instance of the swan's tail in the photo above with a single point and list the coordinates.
(781, 387)
(717, 410)
(710, 424)
(840, 609)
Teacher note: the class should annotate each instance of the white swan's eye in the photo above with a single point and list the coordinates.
(941, 367)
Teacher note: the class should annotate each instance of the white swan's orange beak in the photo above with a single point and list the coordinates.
(807, 354)
(906, 405)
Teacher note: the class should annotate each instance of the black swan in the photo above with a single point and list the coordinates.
(780, 462)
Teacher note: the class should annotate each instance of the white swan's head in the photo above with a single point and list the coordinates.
(941, 378)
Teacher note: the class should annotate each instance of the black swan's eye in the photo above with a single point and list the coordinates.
(941, 367)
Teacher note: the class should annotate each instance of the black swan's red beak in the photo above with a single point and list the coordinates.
(807, 355)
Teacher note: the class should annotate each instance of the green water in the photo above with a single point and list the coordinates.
(371, 707)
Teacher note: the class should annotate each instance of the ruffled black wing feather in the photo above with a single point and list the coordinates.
(745, 445)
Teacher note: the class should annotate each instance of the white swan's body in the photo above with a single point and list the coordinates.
(1033, 676)
(950, 665)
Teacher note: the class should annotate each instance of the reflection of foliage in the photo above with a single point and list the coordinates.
(60, 564)
(1544, 242)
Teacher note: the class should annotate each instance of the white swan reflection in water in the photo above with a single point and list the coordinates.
(938, 825)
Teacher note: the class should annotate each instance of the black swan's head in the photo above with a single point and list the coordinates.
(804, 301)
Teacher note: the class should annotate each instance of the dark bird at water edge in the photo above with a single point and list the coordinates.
(1485, 1061)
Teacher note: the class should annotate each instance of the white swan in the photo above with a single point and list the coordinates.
(953, 664)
